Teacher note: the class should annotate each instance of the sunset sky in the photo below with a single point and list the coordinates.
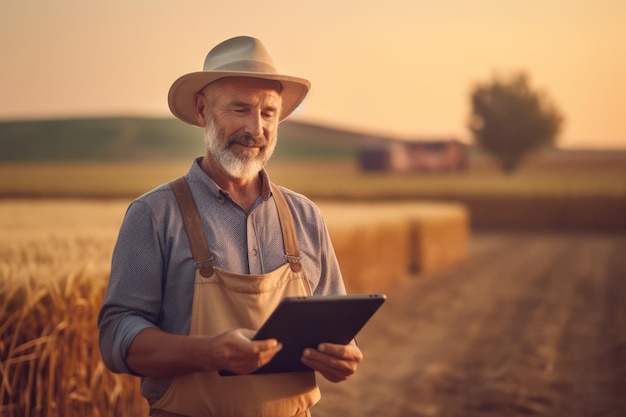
(398, 67)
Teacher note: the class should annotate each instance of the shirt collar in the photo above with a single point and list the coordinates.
(197, 174)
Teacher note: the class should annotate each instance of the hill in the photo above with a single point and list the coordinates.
(129, 139)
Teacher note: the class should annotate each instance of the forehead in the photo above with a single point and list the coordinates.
(245, 86)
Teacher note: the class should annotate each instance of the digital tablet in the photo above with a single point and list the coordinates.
(302, 322)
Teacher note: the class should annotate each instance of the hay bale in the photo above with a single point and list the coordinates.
(371, 245)
(381, 244)
(439, 238)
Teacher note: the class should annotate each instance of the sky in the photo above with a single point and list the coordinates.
(398, 68)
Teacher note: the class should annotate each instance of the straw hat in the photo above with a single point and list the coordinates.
(242, 56)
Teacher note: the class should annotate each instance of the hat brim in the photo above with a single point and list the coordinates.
(181, 95)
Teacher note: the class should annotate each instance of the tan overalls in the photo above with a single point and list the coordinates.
(225, 301)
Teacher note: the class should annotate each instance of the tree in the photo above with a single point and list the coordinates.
(509, 119)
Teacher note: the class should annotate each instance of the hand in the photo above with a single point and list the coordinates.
(236, 352)
(335, 362)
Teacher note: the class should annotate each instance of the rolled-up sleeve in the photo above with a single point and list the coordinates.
(133, 297)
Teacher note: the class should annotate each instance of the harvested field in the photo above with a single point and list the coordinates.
(532, 324)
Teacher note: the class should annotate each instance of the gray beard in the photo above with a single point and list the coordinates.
(237, 165)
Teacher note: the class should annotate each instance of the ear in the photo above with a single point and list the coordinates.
(200, 109)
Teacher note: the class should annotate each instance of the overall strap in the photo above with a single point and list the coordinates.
(193, 226)
(292, 250)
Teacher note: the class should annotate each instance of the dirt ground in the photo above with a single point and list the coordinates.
(530, 325)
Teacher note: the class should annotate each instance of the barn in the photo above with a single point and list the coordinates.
(434, 155)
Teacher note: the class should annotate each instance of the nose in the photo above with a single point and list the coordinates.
(254, 124)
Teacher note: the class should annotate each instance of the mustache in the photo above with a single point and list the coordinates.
(246, 140)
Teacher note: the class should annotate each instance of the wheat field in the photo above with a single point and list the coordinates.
(54, 263)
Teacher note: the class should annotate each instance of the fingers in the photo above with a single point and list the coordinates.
(237, 353)
(265, 350)
(335, 362)
(260, 346)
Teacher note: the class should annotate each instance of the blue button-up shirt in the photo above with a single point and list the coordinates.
(152, 271)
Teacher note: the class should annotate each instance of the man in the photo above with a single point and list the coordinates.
(187, 291)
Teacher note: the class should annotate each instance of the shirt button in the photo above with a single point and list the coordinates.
(254, 252)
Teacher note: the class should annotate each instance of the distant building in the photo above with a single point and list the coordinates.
(446, 155)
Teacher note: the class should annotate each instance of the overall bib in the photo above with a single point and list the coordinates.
(225, 301)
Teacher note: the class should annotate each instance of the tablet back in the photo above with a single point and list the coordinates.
(302, 322)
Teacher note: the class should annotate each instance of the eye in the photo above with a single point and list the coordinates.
(269, 113)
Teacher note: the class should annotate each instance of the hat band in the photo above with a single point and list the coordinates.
(246, 66)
